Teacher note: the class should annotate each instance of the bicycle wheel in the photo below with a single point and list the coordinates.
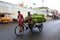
(17, 31)
(40, 27)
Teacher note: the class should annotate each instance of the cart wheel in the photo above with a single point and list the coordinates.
(17, 31)
(40, 27)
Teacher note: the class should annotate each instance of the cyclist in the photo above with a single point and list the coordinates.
(20, 21)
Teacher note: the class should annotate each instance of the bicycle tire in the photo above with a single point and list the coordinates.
(16, 32)
(40, 28)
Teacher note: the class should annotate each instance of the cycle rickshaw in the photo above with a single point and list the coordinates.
(38, 24)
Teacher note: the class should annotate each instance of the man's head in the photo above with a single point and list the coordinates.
(28, 13)
(18, 12)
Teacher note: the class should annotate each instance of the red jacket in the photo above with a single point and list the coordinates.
(20, 17)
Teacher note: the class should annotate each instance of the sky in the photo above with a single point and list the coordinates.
(53, 4)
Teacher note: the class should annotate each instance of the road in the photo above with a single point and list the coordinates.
(51, 31)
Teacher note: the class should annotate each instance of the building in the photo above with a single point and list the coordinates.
(44, 10)
(12, 9)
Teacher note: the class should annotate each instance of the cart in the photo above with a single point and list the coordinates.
(38, 24)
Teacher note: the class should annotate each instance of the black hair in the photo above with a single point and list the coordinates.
(18, 11)
(28, 12)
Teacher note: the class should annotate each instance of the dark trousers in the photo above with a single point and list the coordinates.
(31, 27)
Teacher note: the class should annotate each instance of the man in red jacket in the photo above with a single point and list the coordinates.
(20, 20)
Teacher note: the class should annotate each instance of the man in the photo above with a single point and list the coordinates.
(20, 20)
(30, 21)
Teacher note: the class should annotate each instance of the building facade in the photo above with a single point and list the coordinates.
(11, 8)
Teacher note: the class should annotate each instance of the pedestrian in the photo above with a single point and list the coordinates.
(30, 21)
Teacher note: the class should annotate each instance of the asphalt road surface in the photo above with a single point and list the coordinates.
(51, 31)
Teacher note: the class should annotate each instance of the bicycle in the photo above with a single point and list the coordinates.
(17, 28)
